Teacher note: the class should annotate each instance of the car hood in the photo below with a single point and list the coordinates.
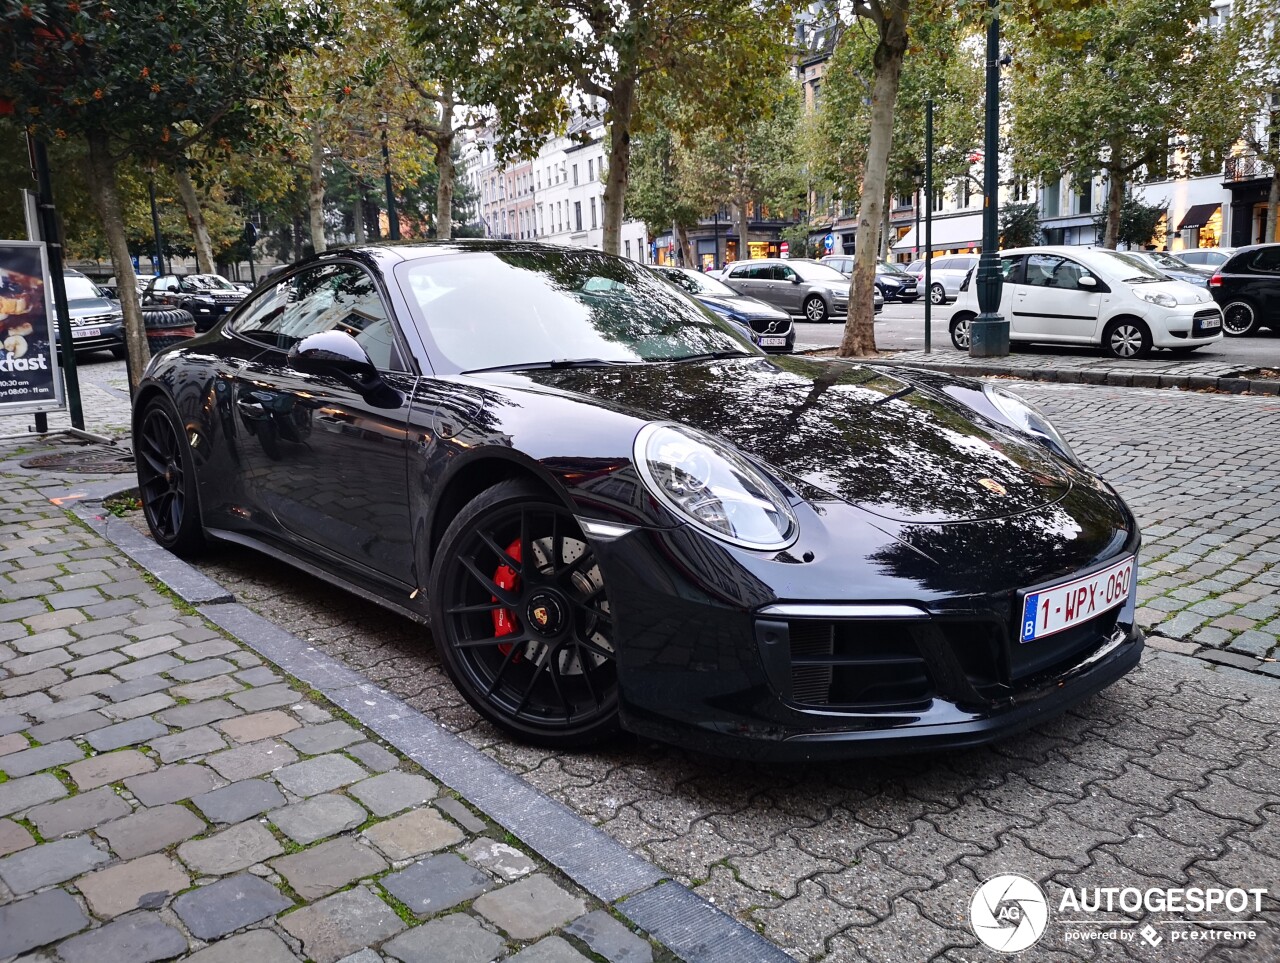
(89, 307)
(747, 307)
(867, 435)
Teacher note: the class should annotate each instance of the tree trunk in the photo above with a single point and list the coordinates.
(621, 107)
(1115, 201)
(444, 165)
(106, 200)
(357, 215)
(859, 329)
(315, 192)
(1272, 227)
(195, 217)
(444, 188)
(690, 260)
(738, 210)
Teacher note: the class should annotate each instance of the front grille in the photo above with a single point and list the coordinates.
(1058, 652)
(769, 325)
(1208, 321)
(227, 298)
(95, 320)
(857, 665)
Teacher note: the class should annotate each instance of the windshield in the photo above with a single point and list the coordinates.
(882, 268)
(80, 288)
(529, 308)
(697, 283)
(209, 282)
(1167, 261)
(1132, 267)
(812, 271)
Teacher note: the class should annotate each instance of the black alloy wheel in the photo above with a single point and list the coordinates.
(166, 480)
(1239, 319)
(521, 618)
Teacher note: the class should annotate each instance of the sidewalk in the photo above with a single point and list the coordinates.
(1066, 366)
(164, 790)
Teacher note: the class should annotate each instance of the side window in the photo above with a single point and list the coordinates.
(782, 273)
(943, 264)
(1041, 268)
(742, 273)
(1011, 268)
(335, 297)
(1068, 275)
(1268, 260)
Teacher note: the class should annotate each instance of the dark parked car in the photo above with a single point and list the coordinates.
(1248, 288)
(206, 296)
(766, 326)
(615, 512)
(893, 283)
(97, 321)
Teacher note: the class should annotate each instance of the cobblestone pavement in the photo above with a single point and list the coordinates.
(164, 792)
(1169, 778)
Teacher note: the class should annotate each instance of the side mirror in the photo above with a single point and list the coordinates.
(795, 279)
(1087, 281)
(335, 354)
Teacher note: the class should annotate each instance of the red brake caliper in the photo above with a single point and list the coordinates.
(504, 620)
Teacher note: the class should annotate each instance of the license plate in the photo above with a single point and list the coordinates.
(85, 332)
(1052, 610)
(773, 342)
(1207, 324)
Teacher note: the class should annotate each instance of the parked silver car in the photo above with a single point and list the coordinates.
(947, 273)
(798, 286)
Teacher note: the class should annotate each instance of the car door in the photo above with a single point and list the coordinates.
(1013, 270)
(1052, 305)
(326, 462)
(787, 293)
(751, 280)
(1263, 286)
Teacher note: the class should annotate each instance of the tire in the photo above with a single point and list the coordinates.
(1127, 338)
(551, 683)
(167, 479)
(960, 331)
(815, 309)
(1239, 319)
(937, 294)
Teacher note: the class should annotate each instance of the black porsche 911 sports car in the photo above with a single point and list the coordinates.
(615, 512)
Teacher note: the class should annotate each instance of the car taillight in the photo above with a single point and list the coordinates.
(1216, 280)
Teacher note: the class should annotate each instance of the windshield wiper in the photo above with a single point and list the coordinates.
(554, 363)
(712, 356)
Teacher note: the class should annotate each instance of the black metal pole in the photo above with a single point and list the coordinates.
(155, 224)
(928, 225)
(989, 332)
(393, 223)
(715, 258)
(53, 244)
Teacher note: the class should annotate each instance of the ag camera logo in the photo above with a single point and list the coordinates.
(1009, 913)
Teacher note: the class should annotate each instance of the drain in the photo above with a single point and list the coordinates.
(92, 459)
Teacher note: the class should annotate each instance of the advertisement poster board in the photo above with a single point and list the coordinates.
(29, 379)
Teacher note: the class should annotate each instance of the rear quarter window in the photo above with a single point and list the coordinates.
(1266, 260)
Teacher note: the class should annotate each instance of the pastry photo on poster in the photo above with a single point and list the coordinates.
(28, 367)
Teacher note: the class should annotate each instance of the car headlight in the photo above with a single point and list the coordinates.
(1030, 419)
(714, 487)
(1158, 297)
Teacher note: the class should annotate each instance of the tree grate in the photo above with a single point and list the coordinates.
(91, 459)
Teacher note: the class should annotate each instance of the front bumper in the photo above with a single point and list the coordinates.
(710, 659)
(1175, 328)
(109, 335)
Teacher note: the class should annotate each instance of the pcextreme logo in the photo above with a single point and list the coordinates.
(1009, 913)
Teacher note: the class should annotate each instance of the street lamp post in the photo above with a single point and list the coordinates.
(989, 332)
(928, 225)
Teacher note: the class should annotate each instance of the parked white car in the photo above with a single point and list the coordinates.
(1073, 295)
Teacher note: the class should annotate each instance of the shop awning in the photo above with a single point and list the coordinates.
(948, 232)
(1198, 215)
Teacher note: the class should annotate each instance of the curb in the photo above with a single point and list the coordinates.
(689, 926)
(1125, 378)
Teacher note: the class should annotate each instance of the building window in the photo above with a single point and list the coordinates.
(965, 192)
(627, 246)
(1052, 194)
(591, 170)
(577, 213)
(575, 175)
(593, 213)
